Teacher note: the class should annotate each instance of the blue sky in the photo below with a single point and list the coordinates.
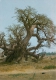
(7, 10)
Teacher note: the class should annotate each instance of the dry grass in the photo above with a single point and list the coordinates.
(32, 76)
(46, 61)
(29, 70)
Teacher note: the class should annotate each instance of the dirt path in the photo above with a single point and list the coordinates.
(27, 71)
(29, 74)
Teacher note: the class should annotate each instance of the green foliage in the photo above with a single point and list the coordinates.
(50, 67)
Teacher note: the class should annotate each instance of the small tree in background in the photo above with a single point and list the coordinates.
(19, 35)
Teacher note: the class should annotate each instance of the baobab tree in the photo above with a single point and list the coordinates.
(18, 45)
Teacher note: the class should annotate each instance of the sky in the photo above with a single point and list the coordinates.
(7, 11)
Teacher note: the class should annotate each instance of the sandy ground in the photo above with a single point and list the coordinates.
(29, 74)
(27, 71)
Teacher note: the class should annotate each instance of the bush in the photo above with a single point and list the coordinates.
(50, 67)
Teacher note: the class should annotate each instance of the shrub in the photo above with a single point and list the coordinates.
(50, 67)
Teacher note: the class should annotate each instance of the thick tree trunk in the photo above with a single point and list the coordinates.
(26, 40)
(29, 35)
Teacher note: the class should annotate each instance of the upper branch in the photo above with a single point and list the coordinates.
(36, 47)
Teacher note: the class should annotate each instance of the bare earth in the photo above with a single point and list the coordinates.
(29, 74)
(28, 71)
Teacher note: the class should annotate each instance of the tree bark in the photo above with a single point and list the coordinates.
(29, 35)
